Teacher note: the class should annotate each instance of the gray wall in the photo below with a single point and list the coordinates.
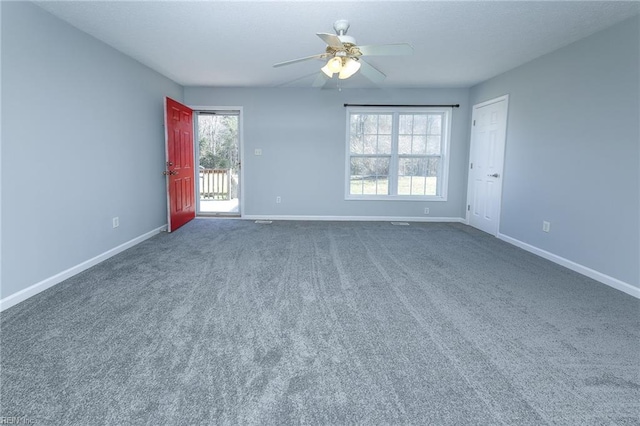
(573, 151)
(82, 142)
(302, 136)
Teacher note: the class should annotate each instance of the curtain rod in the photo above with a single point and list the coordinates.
(403, 106)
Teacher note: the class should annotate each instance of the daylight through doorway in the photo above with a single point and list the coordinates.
(218, 163)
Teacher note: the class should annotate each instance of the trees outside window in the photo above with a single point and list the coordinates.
(217, 137)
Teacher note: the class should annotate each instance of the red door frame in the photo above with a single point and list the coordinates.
(179, 170)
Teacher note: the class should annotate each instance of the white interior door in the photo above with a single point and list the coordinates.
(488, 135)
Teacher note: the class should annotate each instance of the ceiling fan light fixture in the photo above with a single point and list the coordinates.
(335, 64)
(351, 66)
(327, 71)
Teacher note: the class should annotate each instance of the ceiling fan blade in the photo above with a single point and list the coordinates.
(371, 73)
(293, 61)
(331, 84)
(397, 49)
(321, 80)
(331, 39)
(298, 81)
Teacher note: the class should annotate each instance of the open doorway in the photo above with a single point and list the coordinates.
(218, 153)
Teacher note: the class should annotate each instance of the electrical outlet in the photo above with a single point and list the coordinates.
(257, 151)
(426, 210)
(116, 222)
(546, 226)
(278, 200)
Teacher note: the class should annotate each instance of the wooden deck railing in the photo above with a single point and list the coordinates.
(215, 184)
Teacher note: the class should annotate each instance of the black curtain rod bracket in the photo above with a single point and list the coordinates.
(404, 106)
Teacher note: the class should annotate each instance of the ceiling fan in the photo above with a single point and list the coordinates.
(344, 56)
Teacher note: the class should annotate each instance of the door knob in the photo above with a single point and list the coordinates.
(169, 173)
(494, 175)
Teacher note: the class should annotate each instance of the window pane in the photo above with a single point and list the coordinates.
(412, 166)
(433, 164)
(433, 145)
(355, 144)
(418, 185)
(357, 167)
(404, 185)
(357, 175)
(419, 144)
(417, 176)
(356, 186)
(370, 133)
(376, 185)
(370, 142)
(384, 144)
(381, 166)
(404, 145)
(431, 187)
(355, 125)
(435, 124)
(370, 124)
(411, 185)
(369, 176)
(384, 124)
(419, 124)
(383, 185)
(416, 125)
(406, 124)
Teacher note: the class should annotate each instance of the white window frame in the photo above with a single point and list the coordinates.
(443, 172)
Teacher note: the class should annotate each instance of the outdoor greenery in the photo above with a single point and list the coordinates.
(218, 141)
(407, 185)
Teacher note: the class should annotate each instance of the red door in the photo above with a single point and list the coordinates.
(180, 173)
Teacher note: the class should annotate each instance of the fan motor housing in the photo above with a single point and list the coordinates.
(341, 26)
(350, 50)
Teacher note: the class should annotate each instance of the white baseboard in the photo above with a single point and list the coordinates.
(581, 269)
(353, 218)
(26, 293)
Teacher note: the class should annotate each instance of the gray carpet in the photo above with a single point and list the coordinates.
(232, 322)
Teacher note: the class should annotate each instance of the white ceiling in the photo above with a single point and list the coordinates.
(235, 43)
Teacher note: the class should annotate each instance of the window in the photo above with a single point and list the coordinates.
(397, 153)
